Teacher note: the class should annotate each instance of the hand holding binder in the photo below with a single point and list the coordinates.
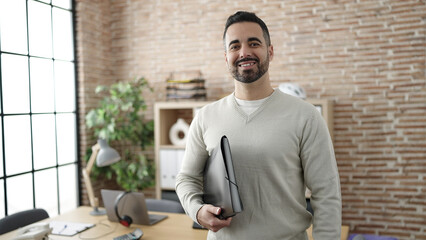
(220, 185)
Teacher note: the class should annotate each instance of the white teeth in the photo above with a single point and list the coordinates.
(246, 65)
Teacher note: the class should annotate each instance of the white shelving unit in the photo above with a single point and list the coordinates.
(165, 115)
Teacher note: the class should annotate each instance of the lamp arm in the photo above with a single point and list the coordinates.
(95, 150)
(92, 199)
(94, 202)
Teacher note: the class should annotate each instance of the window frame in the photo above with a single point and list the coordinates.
(57, 166)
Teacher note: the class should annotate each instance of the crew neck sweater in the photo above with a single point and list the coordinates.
(277, 150)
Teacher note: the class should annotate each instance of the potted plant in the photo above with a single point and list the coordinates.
(119, 119)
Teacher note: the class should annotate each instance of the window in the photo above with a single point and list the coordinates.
(38, 124)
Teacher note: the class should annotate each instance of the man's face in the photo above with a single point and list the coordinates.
(247, 53)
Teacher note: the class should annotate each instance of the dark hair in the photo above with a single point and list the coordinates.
(242, 16)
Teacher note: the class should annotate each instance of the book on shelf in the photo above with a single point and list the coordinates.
(186, 89)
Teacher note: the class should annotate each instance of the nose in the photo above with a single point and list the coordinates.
(245, 51)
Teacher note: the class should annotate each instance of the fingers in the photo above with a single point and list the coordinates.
(206, 217)
(214, 210)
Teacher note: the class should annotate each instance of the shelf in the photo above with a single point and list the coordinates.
(165, 115)
(171, 147)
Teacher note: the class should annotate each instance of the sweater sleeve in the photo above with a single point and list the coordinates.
(322, 178)
(189, 181)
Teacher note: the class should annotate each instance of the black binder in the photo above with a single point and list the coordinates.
(220, 186)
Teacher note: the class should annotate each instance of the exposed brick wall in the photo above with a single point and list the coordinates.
(368, 56)
(94, 66)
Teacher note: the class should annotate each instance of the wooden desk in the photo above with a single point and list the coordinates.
(175, 226)
(343, 236)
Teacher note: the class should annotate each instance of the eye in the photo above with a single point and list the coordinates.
(254, 44)
(234, 47)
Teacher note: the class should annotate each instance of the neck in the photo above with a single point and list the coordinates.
(254, 91)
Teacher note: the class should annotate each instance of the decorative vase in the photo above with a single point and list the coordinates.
(178, 132)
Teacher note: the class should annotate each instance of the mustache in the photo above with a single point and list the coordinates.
(246, 59)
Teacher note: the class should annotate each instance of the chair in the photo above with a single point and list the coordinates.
(163, 205)
(21, 219)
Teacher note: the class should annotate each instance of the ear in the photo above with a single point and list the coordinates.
(271, 52)
(226, 58)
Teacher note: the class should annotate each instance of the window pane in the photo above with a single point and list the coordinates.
(17, 142)
(42, 86)
(39, 25)
(19, 193)
(15, 84)
(63, 47)
(64, 86)
(37, 73)
(2, 212)
(13, 26)
(66, 137)
(46, 191)
(68, 187)
(1, 154)
(44, 147)
(62, 3)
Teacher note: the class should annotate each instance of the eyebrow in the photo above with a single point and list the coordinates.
(233, 42)
(254, 39)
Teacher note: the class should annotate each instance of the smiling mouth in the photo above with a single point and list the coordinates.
(246, 64)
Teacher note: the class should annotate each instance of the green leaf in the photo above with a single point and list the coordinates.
(100, 89)
(126, 106)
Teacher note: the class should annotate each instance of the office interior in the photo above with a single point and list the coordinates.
(364, 60)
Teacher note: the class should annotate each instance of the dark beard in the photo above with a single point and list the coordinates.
(249, 76)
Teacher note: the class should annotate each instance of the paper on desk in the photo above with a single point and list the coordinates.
(69, 228)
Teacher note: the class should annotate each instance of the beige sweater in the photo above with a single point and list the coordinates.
(277, 150)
